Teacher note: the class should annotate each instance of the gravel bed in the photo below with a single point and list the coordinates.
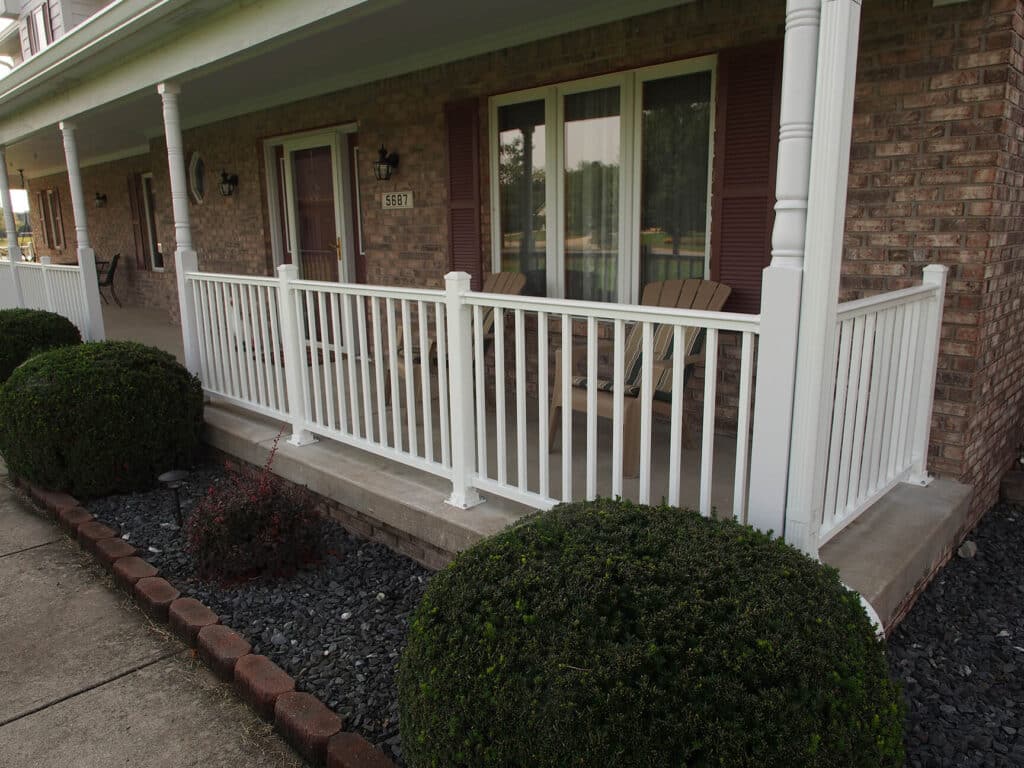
(960, 654)
(337, 627)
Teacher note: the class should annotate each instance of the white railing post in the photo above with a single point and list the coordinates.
(13, 248)
(86, 255)
(931, 335)
(44, 269)
(460, 380)
(826, 219)
(781, 282)
(293, 350)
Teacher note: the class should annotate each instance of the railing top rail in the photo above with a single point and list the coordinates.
(218, 277)
(63, 267)
(380, 291)
(725, 321)
(858, 307)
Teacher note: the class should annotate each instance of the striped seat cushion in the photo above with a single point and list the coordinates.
(605, 385)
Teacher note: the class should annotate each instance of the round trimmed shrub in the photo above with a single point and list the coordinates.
(613, 634)
(100, 418)
(24, 332)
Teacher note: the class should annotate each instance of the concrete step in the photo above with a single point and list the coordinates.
(891, 552)
(368, 489)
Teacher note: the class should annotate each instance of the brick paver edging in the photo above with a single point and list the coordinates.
(305, 722)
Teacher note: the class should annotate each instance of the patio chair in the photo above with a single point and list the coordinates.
(105, 277)
(681, 294)
(509, 283)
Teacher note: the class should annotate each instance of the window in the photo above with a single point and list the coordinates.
(40, 30)
(50, 218)
(150, 240)
(600, 186)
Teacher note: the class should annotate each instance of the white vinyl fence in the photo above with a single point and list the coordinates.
(52, 287)
(419, 376)
(886, 361)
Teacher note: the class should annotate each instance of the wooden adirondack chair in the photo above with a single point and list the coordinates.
(509, 283)
(681, 294)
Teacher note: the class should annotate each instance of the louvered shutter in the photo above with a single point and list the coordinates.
(462, 119)
(138, 225)
(743, 192)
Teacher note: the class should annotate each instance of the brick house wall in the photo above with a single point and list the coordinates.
(934, 178)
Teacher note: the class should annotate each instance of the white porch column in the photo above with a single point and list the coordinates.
(780, 286)
(185, 258)
(826, 219)
(86, 255)
(13, 249)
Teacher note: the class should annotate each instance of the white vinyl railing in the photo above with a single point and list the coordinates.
(52, 287)
(419, 376)
(886, 359)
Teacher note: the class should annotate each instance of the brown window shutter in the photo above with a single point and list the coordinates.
(138, 225)
(462, 119)
(743, 189)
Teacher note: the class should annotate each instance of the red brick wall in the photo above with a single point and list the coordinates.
(929, 184)
(934, 178)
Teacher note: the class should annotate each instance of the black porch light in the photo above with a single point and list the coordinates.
(228, 183)
(172, 480)
(101, 200)
(384, 164)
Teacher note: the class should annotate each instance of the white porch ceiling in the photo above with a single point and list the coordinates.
(384, 39)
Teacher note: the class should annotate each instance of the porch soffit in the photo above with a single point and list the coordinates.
(229, 64)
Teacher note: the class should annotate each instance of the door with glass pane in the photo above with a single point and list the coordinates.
(675, 135)
(314, 210)
(522, 192)
(591, 178)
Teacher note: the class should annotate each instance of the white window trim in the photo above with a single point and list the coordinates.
(149, 223)
(629, 83)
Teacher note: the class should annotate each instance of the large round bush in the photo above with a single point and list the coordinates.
(608, 634)
(100, 418)
(24, 332)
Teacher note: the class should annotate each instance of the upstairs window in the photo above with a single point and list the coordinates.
(40, 29)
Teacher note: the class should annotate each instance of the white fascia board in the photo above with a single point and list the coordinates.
(212, 40)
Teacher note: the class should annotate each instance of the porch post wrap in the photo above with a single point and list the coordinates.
(780, 283)
(931, 334)
(185, 262)
(459, 318)
(294, 353)
(826, 218)
(176, 165)
(86, 256)
(13, 249)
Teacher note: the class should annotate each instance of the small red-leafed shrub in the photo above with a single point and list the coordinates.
(251, 524)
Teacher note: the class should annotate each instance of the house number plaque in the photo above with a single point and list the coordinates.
(391, 200)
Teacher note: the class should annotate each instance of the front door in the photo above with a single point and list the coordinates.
(315, 209)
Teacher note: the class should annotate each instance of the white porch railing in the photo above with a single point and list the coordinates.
(412, 375)
(52, 287)
(886, 360)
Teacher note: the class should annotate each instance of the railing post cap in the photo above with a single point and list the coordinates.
(458, 277)
(936, 269)
(288, 270)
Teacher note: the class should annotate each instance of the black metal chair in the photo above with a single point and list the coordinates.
(105, 276)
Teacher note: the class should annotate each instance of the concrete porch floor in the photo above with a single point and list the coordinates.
(144, 325)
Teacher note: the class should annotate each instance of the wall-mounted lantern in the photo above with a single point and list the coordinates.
(101, 200)
(384, 164)
(228, 183)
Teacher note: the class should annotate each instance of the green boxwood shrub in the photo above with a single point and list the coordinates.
(24, 332)
(608, 634)
(100, 418)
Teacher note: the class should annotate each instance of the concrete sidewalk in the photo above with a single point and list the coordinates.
(87, 681)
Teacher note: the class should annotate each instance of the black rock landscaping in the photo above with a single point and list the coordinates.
(960, 654)
(337, 627)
